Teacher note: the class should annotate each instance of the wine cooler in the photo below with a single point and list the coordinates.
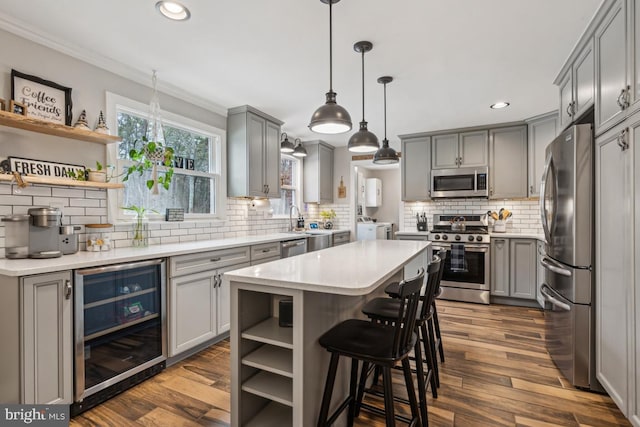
(120, 329)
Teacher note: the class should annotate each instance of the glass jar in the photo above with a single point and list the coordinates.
(98, 237)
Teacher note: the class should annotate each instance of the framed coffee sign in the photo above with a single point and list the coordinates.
(45, 100)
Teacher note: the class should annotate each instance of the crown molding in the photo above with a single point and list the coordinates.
(35, 35)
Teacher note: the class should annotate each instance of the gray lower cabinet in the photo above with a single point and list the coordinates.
(253, 153)
(542, 130)
(508, 162)
(47, 341)
(199, 304)
(265, 252)
(513, 267)
(415, 169)
(318, 172)
(541, 273)
(341, 238)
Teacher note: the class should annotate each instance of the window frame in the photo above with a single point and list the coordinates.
(298, 188)
(116, 103)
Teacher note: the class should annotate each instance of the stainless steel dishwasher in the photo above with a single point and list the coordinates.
(293, 247)
(315, 242)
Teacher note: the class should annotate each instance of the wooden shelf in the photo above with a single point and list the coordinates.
(48, 128)
(270, 358)
(270, 386)
(273, 415)
(61, 181)
(269, 332)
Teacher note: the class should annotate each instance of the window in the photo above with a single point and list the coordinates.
(197, 185)
(290, 191)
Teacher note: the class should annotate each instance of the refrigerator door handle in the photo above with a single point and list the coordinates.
(549, 264)
(544, 290)
(543, 206)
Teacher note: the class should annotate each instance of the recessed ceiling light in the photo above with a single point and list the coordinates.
(173, 10)
(498, 105)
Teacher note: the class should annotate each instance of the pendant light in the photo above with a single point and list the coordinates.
(330, 118)
(299, 151)
(386, 155)
(286, 146)
(363, 141)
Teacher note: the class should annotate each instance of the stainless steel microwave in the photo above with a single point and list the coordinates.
(460, 182)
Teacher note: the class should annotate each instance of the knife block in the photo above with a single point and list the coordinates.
(422, 226)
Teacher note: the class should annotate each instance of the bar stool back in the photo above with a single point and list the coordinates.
(378, 344)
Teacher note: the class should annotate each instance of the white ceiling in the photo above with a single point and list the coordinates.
(450, 59)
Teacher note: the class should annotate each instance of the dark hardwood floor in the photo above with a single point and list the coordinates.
(497, 373)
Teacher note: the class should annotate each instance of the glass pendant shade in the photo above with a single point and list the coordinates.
(286, 146)
(330, 118)
(299, 151)
(385, 155)
(363, 141)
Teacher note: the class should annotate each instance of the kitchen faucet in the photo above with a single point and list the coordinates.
(291, 216)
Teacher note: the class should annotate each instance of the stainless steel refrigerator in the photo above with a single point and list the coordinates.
(566, 204)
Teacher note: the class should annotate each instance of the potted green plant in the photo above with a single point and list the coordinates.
(149, 156)
(140, 231)
(98, 174)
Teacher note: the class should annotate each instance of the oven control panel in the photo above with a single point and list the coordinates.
(462, 238)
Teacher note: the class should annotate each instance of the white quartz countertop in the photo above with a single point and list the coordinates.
(28, 266)
(353, 269)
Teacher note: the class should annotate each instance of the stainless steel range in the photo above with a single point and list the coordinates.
(467, 237)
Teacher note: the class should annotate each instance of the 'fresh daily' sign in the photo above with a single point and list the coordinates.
(42, 168)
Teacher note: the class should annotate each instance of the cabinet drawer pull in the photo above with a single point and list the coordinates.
(216, 259)
(67, 289)
(264, 251)
(569, 109)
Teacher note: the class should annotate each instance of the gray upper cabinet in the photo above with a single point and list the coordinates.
(542, 130)
(577, 87)
(474, 149)
(253, 153)
(318, 172)
(444, 150)
(508, 162)
(566, 99)
(466, 149)
(612, 67)
(415, 169)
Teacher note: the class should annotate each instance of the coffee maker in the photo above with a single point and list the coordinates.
(44, 235)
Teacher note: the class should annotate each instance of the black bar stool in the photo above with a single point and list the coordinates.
(377, 344)
(384, 310)
(432, 319)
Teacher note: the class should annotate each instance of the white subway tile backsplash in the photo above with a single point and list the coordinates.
(95, 194)
(18, 200)
(68, 192)
(36, 190)
(84, 202)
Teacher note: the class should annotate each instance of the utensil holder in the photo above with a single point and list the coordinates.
(500, 226)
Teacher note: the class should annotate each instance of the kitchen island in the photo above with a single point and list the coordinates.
(278, 373)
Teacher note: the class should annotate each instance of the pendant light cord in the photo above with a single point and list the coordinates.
(330, 48)
(385, 111)
(363, 85)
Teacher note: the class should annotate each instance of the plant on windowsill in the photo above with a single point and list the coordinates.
(140, 231)
(148, 157)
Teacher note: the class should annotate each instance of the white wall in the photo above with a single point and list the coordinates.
(390, 209)
(89, 84)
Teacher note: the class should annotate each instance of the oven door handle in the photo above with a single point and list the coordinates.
(544, 290)
(467, 248)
